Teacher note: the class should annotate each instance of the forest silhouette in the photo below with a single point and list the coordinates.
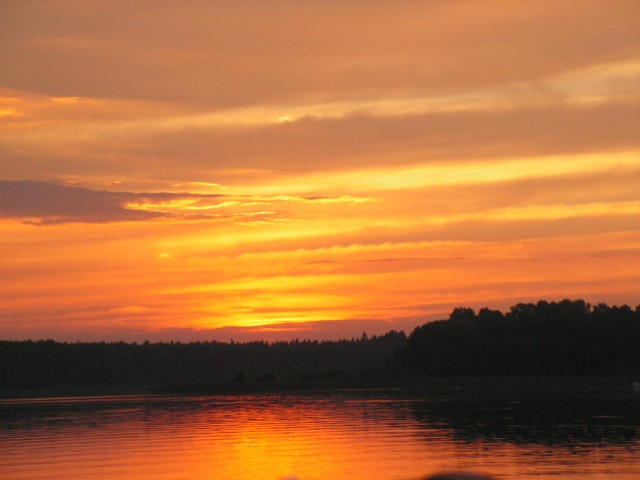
(567, 338)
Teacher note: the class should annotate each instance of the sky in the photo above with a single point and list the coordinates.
(248, 170)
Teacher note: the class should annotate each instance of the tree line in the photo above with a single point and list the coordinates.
(567, 338)
(46, 363)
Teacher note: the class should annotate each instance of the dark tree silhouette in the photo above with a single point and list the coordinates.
(29, 364)
(545, 338)
(566, 338)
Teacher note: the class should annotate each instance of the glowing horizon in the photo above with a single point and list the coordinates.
(276, 171)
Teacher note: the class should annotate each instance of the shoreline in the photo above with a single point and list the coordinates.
(485, 386)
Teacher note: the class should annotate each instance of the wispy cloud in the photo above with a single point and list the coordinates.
(256, 53)
(46, 203)
(262, 167)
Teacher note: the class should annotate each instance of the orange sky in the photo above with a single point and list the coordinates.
(282, 169)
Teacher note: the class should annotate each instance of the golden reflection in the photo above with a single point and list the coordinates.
(343, 436)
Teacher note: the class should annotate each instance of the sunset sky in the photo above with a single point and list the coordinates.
(277, 169)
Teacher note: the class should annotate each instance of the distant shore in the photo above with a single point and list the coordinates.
(452, 386)
(542, 347)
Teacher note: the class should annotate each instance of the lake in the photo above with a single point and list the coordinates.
(351, 434)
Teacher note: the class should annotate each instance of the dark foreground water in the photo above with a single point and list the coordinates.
(333, 435)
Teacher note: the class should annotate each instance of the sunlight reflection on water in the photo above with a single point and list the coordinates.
(339, 435)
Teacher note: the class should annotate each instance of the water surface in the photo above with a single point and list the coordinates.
(331, 435)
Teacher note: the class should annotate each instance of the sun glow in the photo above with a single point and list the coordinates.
(332, 186)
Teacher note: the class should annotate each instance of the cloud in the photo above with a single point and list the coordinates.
(47, 203)
(219, 154)
(288, 162)
(363, 140)
(252, 52)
